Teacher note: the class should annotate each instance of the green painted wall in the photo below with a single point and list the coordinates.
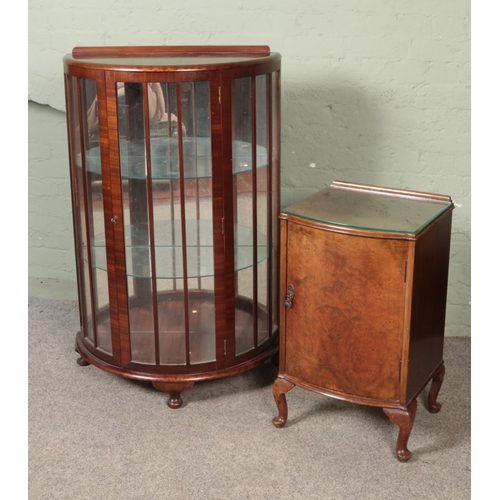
(372, 91)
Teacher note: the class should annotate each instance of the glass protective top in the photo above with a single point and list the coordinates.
(370, 208)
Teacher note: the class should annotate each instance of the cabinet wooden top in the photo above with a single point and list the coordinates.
(360, 207)
(174, 58)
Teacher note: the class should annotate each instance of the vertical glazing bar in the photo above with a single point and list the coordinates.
(172, 231)
(270, 220)
(234, 210)
(183, 221)
(254, 212)
(170, 170)
(220, 97)
(83, 127)
(197, 176)
(113, 192)
(169, 121)
(149, 180)
(276, 175)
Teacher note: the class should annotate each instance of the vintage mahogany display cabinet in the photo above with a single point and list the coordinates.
(364, 273)
(174, 157)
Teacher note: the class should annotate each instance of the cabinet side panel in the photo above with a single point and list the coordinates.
(344, 329)
(282, 293)
(430, 283)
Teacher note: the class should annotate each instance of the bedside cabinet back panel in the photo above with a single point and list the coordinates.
(344, 329)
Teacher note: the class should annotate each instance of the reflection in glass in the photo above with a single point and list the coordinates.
(91, 217)
(135, 213)
(80, 215)
(167, 207)
(251, 209)
(198, 213)
(164, 147)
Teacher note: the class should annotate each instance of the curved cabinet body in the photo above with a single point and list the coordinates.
(364, 282)
(174, 157)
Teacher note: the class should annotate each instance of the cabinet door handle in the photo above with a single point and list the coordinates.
(289, 297)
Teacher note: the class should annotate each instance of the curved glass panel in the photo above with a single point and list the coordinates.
(83, 268)
(251, 210)
(198, 254)
(91, 218)
(136, 196)
(166, 167)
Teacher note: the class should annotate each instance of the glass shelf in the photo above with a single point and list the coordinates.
(357, 207)
(165, 158)
(168, 249)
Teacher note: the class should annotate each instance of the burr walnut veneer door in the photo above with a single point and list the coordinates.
(344, 330)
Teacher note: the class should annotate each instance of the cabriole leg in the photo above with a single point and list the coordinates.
(280, 388)
(404, 420)
(437, 380)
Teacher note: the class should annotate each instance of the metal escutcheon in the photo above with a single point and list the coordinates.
(289, 297)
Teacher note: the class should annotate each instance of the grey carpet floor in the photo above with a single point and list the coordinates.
(94, 435)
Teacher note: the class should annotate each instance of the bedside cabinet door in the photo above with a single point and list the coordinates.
(344, 329)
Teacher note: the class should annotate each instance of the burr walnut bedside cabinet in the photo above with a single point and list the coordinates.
(364, 274)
